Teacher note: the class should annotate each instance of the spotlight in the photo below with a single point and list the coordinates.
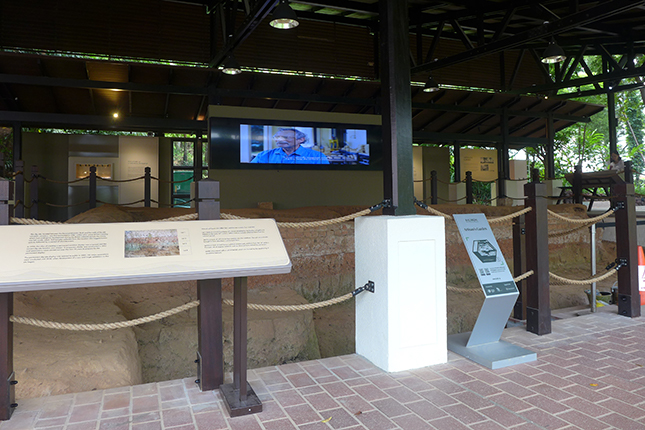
(231, 66)
(284, 17)
(431, 85)
(553, 53)
(115, 115)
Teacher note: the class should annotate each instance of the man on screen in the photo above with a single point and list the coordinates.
(289, 150)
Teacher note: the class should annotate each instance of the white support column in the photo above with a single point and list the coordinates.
(402, 325)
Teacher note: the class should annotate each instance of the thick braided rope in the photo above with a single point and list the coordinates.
(510, 216)
(561, 280)
(289, 308)
(106, 326)
(439, 213)
(588, 222)
(29, 221)
(306, 224)
(579, 220)
(490, 220)
(324, 222)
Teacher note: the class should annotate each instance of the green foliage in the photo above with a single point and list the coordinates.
(6, 148)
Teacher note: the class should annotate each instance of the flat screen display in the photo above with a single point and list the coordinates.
(263, 144)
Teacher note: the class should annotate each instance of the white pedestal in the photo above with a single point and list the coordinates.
(402, 325)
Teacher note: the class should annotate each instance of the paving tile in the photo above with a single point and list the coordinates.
(289, 398)
(84, 413)
(375, 420)
(472, 400)
(338, 389)
(246, 422)
(426, 410)
(544, 419)
(300, 380)
(369, 392)
(302, 414)
(211, 421)
(487, 425)
(509, 402)
(86, 425)
(384, 381)
(122, 423)
(390, 407)
(283, 424)
(176, 417)
(620, 422)
(411, 422)
(438, 398)
(321, 401)
(502, 416)
(345, 372)
(402, 394)
(447, 423)
(583, 421)
(355, 404)
(154, 425)
(482, 388)
(340, 418)
(546, 404)
(623, 408)
(464, 414)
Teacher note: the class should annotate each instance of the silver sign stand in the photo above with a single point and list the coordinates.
(483, 344)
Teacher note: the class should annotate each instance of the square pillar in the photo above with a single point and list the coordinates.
(402, 325)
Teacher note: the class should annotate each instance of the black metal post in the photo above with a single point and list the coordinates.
(398, 181)
(629, 302)
(19, 189)
(577, 184)
(549, 171)
(7, 383)
(433, 186)
(210, 354)
(469, 187)
(613, 122)
(147, 183)
(457, 163)
(535, 175)
(17, 143)
(92, 187)
(519, 265)
(33, 193)
(538, 308)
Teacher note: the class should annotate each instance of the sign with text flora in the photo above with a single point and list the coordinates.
(92, 255)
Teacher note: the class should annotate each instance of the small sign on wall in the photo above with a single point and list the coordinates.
(102, 170)
(481, 162)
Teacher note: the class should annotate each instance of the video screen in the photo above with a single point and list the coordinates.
(298, 145)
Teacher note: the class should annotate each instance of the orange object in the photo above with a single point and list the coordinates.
(641, 274)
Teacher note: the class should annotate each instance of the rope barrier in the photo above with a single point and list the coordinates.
(121, 204)
(561, 280)
(172, 182)
(581, 221)
(120, 180)
(29, 221)
(490, 220)
(66, 206)
(65, 182)
(289, 308)
(105, 326)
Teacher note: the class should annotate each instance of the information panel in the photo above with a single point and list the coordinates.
(84, 255)
(485, 255)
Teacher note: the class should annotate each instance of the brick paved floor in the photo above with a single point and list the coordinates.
(590, 374)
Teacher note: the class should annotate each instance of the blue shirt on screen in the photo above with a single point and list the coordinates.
(301, 155)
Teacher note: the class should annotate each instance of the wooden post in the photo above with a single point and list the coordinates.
(92, 187)
(210, 354)
(239, 397)
(19, 189)
(469, 187)
(538, 310)
(33, 193)
(146, 187)
(433, 186)
(7, 391)
(577, 185)
(519, 265)
(629, 302)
